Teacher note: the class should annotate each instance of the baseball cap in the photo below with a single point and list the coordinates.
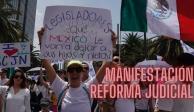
(74, 62)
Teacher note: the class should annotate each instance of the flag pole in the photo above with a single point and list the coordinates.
(119, 41)
(145, 45)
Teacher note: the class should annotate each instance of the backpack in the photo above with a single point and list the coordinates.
(63, 93)
(35, 101)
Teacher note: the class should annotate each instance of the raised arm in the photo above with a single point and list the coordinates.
(102, 71)
(46, 63)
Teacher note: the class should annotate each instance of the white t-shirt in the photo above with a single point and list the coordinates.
(184, 105)
(125, 105)
(2, 82)
(76, 99)
(19, 102)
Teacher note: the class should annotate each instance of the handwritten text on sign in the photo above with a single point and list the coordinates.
(14, 55)
(77, 33)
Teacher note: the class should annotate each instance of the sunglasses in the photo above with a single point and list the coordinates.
(17, 76)
(86, 68)
(72, 69)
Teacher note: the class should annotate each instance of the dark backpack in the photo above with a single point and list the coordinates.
(35, 101)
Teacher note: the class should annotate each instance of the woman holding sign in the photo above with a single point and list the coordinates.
(16, 97)
(73, 96)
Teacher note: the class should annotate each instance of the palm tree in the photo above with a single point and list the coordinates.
(132, 51)
(166, 47)
(10, 30)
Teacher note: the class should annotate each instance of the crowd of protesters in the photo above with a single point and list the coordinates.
(68, 90)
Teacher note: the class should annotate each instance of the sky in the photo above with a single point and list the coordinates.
(112, 5)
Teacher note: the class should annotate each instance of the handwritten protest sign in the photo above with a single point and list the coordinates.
(14, 55)
(77, 33)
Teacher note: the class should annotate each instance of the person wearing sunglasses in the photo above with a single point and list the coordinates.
(75, 98)
(16, 97)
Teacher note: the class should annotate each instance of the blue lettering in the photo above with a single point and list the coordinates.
(3, 61)
(23, 59)
(15, 60)
(8, 46)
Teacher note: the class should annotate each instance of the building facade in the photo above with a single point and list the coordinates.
(26, 18)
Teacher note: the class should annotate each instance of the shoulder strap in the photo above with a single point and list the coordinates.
(61, 96)
(88, 94)
(5, 100)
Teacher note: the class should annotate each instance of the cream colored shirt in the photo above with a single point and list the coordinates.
(19, 102)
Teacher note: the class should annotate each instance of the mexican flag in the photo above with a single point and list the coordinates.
(172, 18)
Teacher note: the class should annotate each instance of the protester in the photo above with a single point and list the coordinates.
(162, 104)
(35, 97)
(39, 90)
(76, 98)
(3, 77)
(85, 78)
(16, 96)
(116, 104)
(122, 105)
(43, 86)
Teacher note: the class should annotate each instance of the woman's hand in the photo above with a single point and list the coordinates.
(40, 35)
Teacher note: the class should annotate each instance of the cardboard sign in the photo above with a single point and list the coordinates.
(77, 33)
(14, 55)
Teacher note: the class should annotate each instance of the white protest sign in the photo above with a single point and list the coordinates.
(77, 33)
(14, 54)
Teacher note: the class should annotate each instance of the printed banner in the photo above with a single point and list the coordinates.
(14, 55)
(77, 33)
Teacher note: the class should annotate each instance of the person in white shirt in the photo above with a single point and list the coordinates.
(75, 98)
(117, 104)
(16, 96)
(43, 86)
(3, 77)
